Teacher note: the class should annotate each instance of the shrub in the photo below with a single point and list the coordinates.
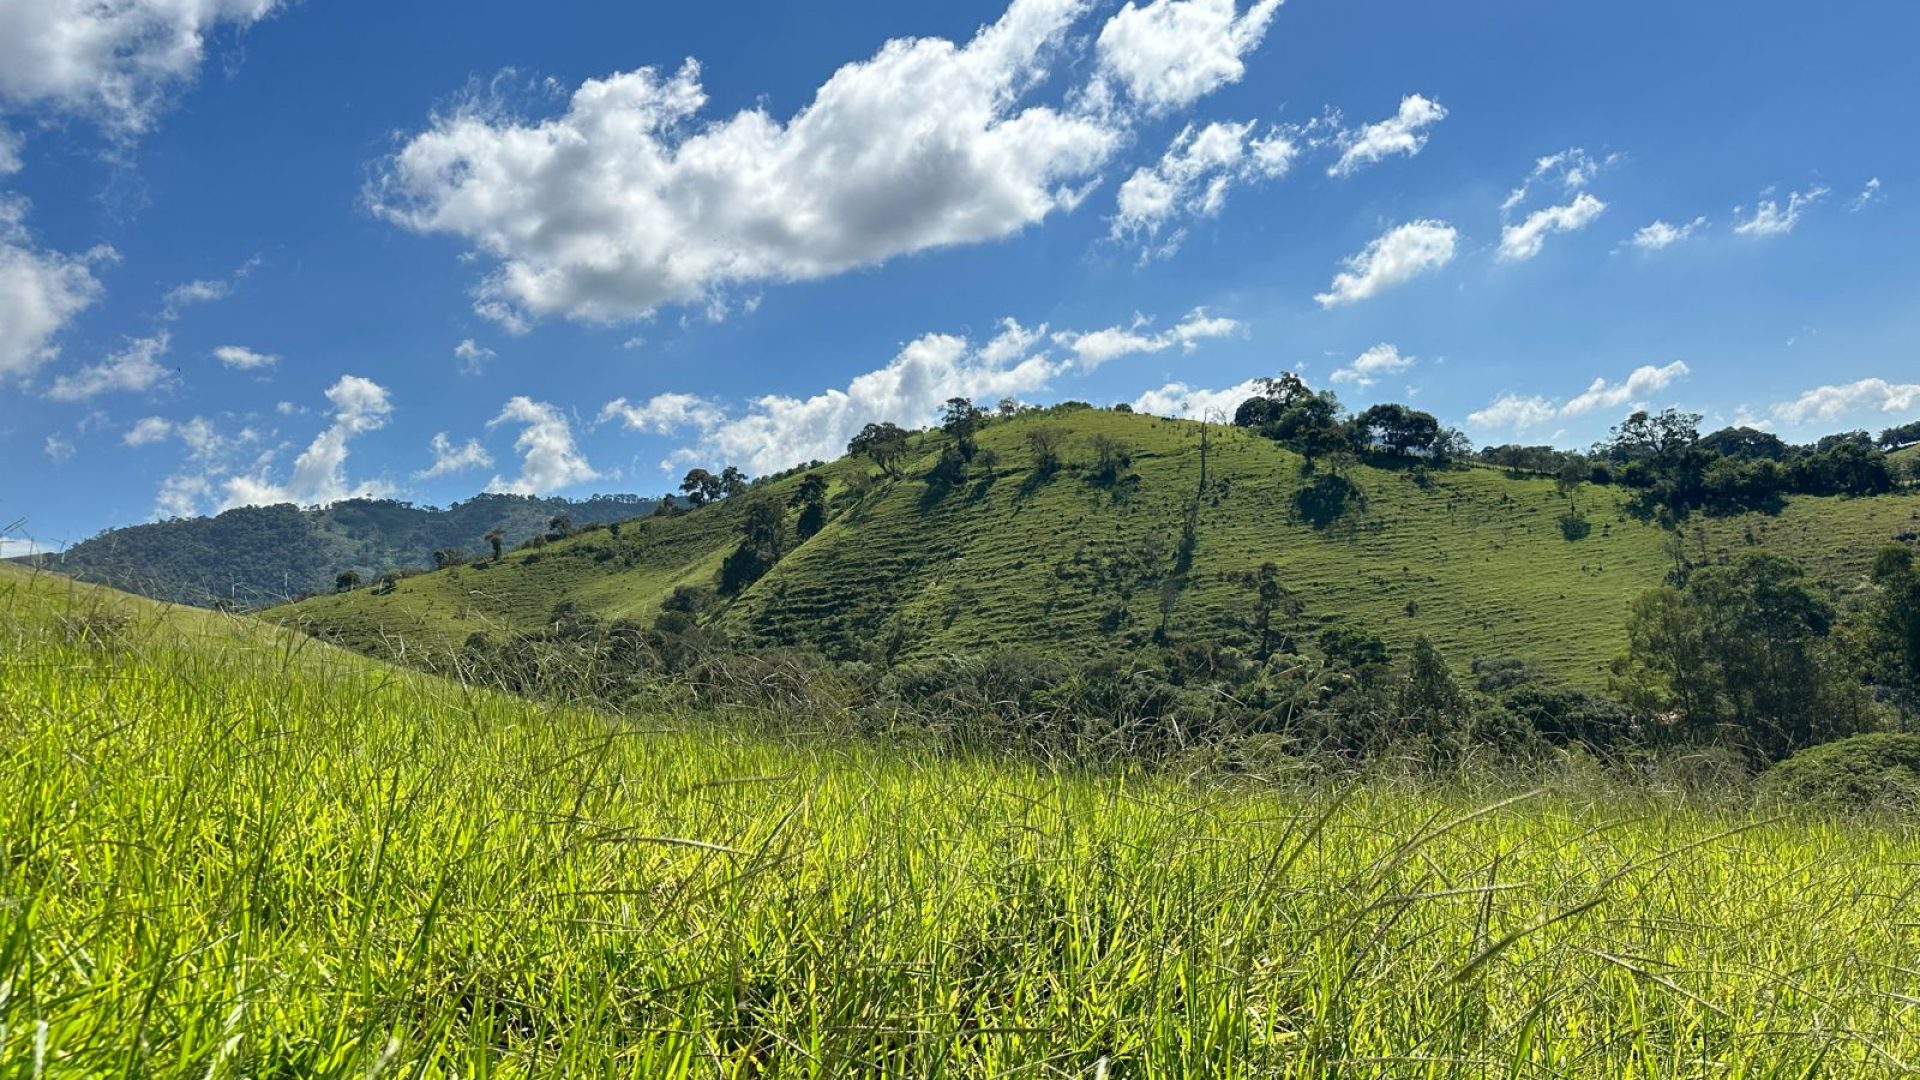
(1867, 771)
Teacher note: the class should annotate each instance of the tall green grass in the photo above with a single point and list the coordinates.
(228, 852)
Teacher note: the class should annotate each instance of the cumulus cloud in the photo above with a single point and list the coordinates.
(360, 405)
(1167, 54)
(203, 291)
(1659, 236)
(1096, 347)
(40, 292)
(1571, 169)
(631, 200)
(1869, 195)
(1193, 177)
(1183, 402)
(551, 461)
(134, 369)
(664, 414)
(116, 61)
(1834, 402)
(1522, 241)
(777, 431)
(1405, 132)
(1370, 366)
(242, 358)
(1517, 412)
(10, 143)
(473, 356)
(57, 448)
(449, 459)
(1514, 411)
(1395, 257)
(1643, 380)
(1770, 219)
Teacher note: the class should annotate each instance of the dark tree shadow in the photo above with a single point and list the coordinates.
(1323, 501)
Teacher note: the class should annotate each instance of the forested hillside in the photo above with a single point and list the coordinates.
(259, 555)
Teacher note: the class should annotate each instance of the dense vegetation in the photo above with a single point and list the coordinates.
(226, 852)
(258, 555)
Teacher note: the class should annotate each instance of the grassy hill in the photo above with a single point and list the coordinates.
(228, 850)
(257, 555)
(1486, 563)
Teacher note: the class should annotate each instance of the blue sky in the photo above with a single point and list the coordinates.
(258, 251)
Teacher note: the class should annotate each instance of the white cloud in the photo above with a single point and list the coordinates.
(1834, 402)
(473, 356)
(1769, 219)
(664, 414)
(1168, 54)
(1514, 411)
(10, 143)
(1519, 413)
(630, 200)
(12, 547)
(40, 292)
(244, 359)
(134, 369)
(1643, 380)
(552, 461)
(1573, 169)
(1096, 347)
(181, 495)
(777, 431)
(1180, 401)
(360, 405)
(58, 449)
(1523, 241)
(1369, 366)
(1868, 196)
(1405, 132)
(147, 431)
(203, 291)
(1193, 177)
(1660, 235)
(117, 61)
(1396, 256)
(448, 458)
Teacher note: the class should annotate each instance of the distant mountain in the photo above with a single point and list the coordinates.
(259, 555)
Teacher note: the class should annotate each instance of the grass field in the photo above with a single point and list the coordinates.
(229, 851)
(1474, 558)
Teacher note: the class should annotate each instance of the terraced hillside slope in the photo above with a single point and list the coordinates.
(258, 555)
(1071, 562)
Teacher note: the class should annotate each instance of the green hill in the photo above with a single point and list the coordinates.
(257, 555)
(1486, 563)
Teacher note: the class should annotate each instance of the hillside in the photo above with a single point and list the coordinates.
(258, 555)
(1473, 557)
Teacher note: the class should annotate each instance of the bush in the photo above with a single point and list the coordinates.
(1865, 772)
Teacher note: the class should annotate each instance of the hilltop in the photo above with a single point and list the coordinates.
(258, 555)
(1124, 544)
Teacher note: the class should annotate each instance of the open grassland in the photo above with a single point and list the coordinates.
(230, 852)
(1475, 558)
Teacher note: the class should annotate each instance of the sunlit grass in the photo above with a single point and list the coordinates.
(225, 852)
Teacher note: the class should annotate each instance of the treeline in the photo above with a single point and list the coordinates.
(1745, 659)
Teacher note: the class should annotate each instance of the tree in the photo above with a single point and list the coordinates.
(732, 482)
(811, 498)
(496, 540)
(446, 557)
(763, 540)
(346, 581)
(1896, 437)
(1894, 619)
(1045, 444)
(1648, 436)
(885, 443)
(1399, 430)
(1431, 705)
(950, 471)
(1739, 655)
(701, 487)
(961, 418)
(1111, 459)
(560, 524)
(1745, 442)
(1269, 596)
(1288, 411)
